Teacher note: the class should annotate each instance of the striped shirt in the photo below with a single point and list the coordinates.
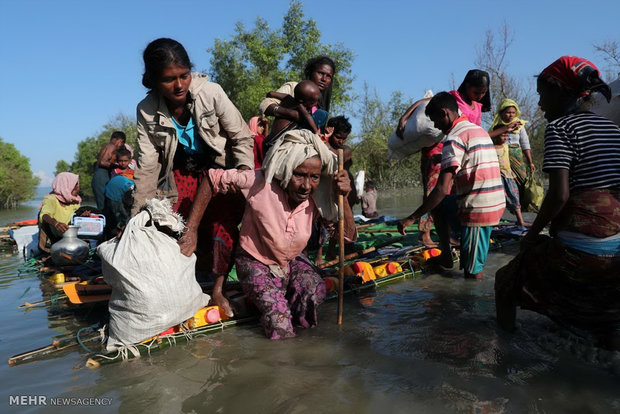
(478, 182)
(587, 145)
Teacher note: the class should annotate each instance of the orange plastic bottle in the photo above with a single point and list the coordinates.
(363, 270)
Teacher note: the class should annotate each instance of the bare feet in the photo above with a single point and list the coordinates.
(427, 241)
(478, 275)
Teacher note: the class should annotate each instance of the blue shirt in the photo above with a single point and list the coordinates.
(185, 135)
(117, 186)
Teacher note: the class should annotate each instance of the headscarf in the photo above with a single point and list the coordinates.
(578, 75)
(293, 148)
(497, 120)
(253, 125)
(63, 185)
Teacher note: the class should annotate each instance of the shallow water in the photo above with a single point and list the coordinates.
(424, 345)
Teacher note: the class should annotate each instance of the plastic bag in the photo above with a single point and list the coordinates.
(533, 194)
(154, 286)
(419, 133)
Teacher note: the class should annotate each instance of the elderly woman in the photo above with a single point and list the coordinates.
(57, 209)
(573, 276)
(186, 125)
(294, 188)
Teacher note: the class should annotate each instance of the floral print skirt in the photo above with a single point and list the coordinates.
(284, 302)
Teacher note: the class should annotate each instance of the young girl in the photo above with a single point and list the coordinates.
(293, 189)
(186, 125)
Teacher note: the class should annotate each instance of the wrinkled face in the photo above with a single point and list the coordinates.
(123, 162)
(322, 76)
(304, 181)
(173, 84)
(441, 120)
(75, 190)
(476, 93)
(508, 114)
(338, 139)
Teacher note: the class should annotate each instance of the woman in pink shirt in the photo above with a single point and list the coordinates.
(294, 188)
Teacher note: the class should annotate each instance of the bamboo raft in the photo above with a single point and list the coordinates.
(411, 268)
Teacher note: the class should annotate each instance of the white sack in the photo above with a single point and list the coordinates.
(153, 285)
(419, 133)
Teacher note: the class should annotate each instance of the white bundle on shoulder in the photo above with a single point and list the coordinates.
(420, 132)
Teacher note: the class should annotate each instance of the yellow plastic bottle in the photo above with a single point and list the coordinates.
(58, 278)
(387, 269)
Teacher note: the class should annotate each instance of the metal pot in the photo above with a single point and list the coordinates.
(76, 249)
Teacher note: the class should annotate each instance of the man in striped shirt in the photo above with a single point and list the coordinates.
(469, 158)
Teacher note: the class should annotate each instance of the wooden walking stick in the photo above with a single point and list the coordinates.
(340, 242)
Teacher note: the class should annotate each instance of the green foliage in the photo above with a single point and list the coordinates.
(260, 60)
(88, 149)
(62, 166)
(17, 183)
(378, 121)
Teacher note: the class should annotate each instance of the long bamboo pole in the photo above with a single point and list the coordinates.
(340, 242)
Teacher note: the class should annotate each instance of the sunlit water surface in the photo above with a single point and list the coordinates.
(428, 345)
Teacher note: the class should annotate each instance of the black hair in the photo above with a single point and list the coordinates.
(118, 135)
(340, 124)
(370, 184)
(311, 66)
(443, 100)
(123, 152)
(159, 54)
(478, 79)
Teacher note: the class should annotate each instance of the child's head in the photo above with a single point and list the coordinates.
(442, 109)
(158, 55)
(118, 138)
(369, 186)
(307, 93)
(501, 138)
(123, 158)
(342, 129)
(475, 87)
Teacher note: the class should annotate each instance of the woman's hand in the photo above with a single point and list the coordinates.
(532, 167)
(342, 182)
(217, 298)
(60, 227)
(188, 242)
(404, 223)
(513, 125)
(85, 213)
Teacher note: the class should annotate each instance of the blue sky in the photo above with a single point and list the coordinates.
(69, 67)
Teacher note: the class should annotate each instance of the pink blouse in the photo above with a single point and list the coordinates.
(271, 231)
(474, 115)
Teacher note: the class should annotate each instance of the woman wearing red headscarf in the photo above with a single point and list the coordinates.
(573, 276)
